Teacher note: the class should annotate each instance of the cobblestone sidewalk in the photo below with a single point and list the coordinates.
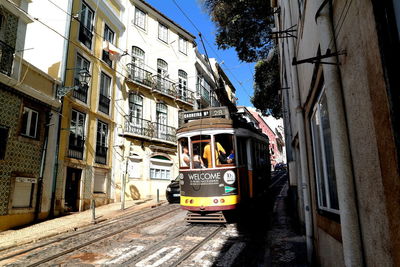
(287, 248)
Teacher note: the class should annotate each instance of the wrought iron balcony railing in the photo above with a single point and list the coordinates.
(148, 129)
(138, 126)
(164, 132)
(140, 75)
(185, 95)
(76, 146)
(81, 93)
(104, 104)
(101, 154)
(165, 86)
(6, 58)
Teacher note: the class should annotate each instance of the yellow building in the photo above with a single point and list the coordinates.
(88, 112)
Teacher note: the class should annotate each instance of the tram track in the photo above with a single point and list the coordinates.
(86, 231)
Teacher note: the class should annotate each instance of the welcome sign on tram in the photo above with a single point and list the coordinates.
(218, 182)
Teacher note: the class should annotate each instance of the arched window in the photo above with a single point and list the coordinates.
(160, 167)
(135, 113)
(161, 116)
(138, 71)
(162, 67)
(162, 70)
(182, 88)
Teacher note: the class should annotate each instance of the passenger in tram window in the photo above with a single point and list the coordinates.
(231, 157)
(197, 161)
(218, 150)
(185, 159)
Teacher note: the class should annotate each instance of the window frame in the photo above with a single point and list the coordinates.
(28, 123)
(137, 19)
(183, 45)
(85, 23)
(318, 139)
(3, 141)
(163, 32)
(104, 75)
(83, 126)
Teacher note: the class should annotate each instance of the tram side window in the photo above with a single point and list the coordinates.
(224, 150)
(200, 158)
(184, 157)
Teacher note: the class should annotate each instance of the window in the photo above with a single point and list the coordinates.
(135, 108)
(100, 182)
(77, 135)
(163, 33)
(161, 116)
(23, 192)
(81, 64)
(182, 45)
(138, 73)
(184, 156)
(135, 167)
(29, 122)
(224, 150)
(86, 25)
(200, 158)
(323, 157)
(140, 18)
(160, 168)
(162, 70)
(104, 98)
(182, 88)
(3, 141)
(101, 143)
(108, 36)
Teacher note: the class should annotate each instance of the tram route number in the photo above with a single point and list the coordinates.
(204, 113)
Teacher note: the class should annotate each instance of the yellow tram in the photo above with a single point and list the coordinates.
(224, 161)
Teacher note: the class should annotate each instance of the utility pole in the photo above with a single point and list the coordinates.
(123, 184)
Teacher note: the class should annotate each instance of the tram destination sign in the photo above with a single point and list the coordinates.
(206, 113)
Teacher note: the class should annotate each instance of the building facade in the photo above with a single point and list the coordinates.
(341, 114)
(89, 111)
(159, 79)
(28, 125)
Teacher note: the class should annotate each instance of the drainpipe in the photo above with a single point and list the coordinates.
(351, 238)
(302, 145)
(63, 74)
(42, 166)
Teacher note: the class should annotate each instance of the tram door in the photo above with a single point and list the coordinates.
(243, 171)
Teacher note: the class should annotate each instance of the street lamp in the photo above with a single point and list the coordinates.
(83, 78)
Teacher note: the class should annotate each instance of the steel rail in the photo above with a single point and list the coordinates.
(196, 247)
(57, 255)
(109, 222)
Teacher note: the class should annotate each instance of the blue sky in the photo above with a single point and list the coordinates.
(240, 73)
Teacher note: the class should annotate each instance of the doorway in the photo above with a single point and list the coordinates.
(72, 188)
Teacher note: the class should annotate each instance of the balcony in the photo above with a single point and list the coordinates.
(139, 127)
(185, 96)
(165, 86)
(85, 36)
(140, 75)
(203, 95)
(101, 154)
(6, 58)
(104, 104)
(164, 132)
(76, 146)
(81, 93)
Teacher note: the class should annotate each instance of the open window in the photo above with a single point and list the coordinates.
(224, 150)
(201, 157)
(184, 157)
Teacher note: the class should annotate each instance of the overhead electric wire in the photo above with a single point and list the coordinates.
(215, 53)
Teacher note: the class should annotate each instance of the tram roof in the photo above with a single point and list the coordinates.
(213, 118)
